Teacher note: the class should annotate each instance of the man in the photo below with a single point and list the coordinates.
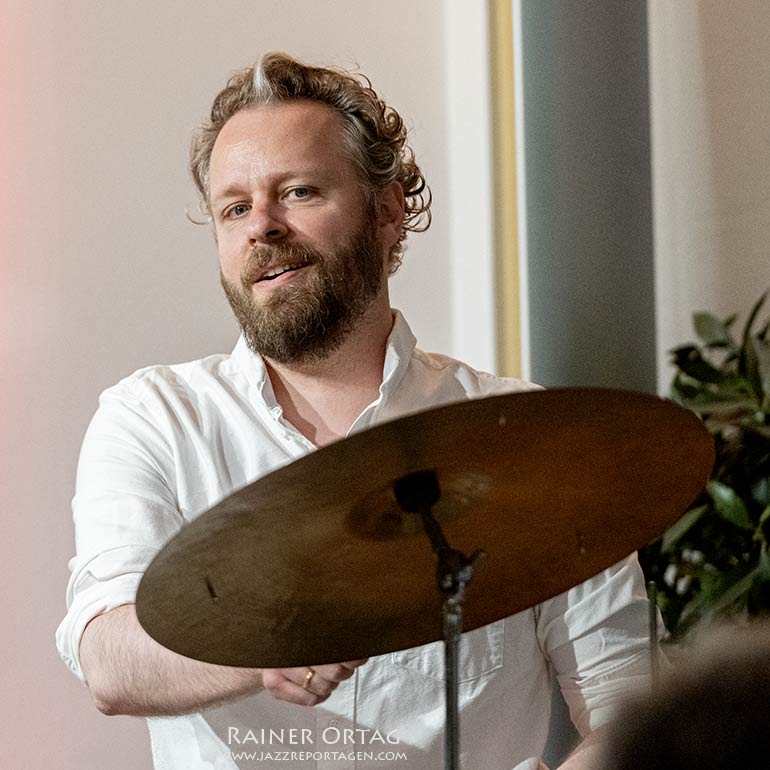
(311, 188)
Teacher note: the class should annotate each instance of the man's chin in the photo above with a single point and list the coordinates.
(292, 350)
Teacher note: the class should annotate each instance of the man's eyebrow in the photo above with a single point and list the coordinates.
(311, 174)
(231, 191)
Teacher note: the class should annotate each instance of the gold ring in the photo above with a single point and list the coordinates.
(308, 677)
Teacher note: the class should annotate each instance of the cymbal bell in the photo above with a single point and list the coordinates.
(316, 562)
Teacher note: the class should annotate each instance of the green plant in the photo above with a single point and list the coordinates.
(714, 562)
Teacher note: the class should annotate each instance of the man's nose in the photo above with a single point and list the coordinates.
(267, 223)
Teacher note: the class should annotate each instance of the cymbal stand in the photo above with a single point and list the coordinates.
(418, 493)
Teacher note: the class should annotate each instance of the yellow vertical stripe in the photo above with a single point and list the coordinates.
(507, 299)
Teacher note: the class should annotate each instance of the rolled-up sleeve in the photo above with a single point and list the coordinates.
(596, 636)
(124, 510)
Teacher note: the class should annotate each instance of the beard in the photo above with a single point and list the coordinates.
(308, 319)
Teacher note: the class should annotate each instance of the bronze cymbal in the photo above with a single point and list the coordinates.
(316, 563)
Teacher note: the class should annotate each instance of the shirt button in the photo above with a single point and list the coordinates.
(334, 723)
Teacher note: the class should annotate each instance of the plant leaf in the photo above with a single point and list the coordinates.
(763, 568)
(749, 362)
(713, 583)
(693, 608)
(690, 361)
(762, 356)
(752, 316)
(730, 406)
(731, 595)
(765, 516)
(678, 530)
(683, 389)
(760, 490)
(729, 411)
(729, 505)
(712, 331)
(746, 359)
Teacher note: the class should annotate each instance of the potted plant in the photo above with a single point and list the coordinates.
(714, 562)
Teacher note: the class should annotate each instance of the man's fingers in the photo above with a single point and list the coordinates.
(293, 693)
(315, 680)
(336, 672)
(308, 685)
(354, 664)
(284, 684)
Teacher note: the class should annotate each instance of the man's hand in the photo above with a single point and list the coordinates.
(590, 751)
(307, 685)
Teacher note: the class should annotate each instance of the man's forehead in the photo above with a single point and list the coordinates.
(276, 135)
(294, 121)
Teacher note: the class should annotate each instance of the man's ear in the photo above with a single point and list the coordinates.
(391, 214)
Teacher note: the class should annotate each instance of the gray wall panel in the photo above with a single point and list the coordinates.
(588, 183)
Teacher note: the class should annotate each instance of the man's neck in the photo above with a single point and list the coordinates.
(322, 399)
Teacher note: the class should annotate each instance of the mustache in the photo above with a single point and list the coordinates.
(263, 257)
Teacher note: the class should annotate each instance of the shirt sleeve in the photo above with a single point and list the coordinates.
(596, 636)
(124, 510)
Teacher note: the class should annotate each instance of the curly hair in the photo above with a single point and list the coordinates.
(375, 136)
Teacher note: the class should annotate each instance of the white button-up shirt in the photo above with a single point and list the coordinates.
(169, 442)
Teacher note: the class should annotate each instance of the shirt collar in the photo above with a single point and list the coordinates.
(398, 354)
(400, 346)
(252, 365)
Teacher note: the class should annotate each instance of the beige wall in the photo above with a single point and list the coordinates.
(710, 80)
(102, 273)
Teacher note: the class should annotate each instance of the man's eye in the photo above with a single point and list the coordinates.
(300, 192)
(236, 211)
